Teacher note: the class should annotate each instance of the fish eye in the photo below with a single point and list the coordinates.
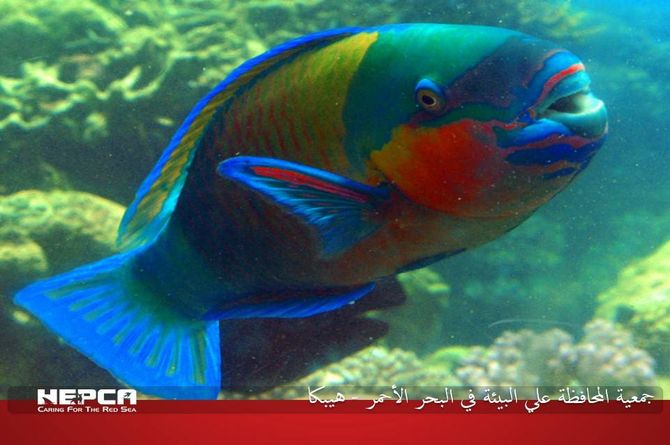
(429, 96)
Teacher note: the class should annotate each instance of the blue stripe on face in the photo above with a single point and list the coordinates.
(551, 66)
(538, 131)
(554, 153)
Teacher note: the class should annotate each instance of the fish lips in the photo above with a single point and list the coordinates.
(567, 129)
(581, 113)
(572, 104)
(569, 124)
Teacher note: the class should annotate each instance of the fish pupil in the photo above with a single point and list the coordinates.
(427, 100)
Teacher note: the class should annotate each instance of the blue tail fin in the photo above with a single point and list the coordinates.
(104, 312)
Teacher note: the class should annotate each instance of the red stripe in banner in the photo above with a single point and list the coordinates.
(364, 428)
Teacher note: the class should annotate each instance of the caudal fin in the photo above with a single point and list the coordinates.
(103, 311)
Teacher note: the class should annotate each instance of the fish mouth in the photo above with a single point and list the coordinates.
(580, 111)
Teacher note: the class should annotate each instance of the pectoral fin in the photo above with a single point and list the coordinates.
(341, 210)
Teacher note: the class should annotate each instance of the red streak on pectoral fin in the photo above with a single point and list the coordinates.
(300, 179)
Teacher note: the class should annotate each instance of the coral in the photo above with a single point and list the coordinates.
(640, 300)
(94, 88)
(605, 355)
(42, 233)
(521, 358)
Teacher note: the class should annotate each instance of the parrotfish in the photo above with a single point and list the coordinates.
(313, 171)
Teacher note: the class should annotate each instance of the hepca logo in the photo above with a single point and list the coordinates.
(81, 396)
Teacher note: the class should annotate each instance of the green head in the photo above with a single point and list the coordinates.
(472, 121)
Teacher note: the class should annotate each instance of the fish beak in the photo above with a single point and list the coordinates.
(581, 112)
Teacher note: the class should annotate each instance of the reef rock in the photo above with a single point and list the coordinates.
(641, 301)
(42, 233)
(418, 323)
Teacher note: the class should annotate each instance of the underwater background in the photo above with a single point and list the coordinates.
(92, 90)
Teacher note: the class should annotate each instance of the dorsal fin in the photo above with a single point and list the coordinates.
(157, 197)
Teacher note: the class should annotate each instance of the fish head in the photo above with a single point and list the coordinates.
(491, 129)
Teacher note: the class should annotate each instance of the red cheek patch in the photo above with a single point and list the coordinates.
(443, 168)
